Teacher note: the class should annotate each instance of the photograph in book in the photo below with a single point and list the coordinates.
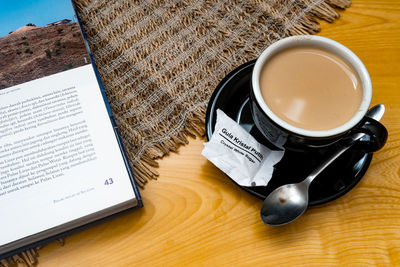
(35, 43)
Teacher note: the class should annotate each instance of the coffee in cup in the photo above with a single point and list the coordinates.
(310, 92)
(310, 88)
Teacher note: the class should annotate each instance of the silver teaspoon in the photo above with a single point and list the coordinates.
(288, 202)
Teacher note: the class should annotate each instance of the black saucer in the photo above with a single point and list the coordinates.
(232, 96)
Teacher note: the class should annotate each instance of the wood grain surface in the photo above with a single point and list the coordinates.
(194, 215)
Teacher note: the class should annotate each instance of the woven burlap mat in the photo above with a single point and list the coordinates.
(161, 60)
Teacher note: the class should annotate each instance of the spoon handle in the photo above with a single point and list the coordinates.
(332, 158)
(375, 113)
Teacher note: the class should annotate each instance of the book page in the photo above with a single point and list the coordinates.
(59, 156)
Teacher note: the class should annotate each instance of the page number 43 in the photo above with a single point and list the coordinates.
(109, 181)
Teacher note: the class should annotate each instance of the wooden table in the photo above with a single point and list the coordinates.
(194, 215)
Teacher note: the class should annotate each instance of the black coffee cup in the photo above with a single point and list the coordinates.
(285, 136)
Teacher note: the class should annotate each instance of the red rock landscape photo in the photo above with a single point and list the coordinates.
(32, 52)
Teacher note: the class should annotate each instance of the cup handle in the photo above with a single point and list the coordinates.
(375, 135)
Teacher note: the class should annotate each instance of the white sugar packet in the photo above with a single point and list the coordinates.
(233, 150)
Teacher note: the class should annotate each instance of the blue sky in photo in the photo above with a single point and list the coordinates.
(15, 14)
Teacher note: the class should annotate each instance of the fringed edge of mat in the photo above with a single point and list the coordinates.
(27, 258)
(145, 169)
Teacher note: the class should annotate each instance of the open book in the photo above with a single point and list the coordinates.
(62, 165)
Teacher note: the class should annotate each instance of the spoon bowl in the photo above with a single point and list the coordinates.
(284, 204)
